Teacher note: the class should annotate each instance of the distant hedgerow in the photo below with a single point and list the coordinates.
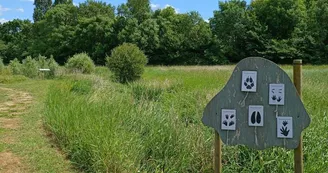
(127, 62)
(81, 63)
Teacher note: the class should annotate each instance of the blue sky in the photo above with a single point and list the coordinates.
(23, 9)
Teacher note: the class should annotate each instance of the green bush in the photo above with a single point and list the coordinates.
(42, 61)
(2, 66)
(45, 63)
(127, 62)
(80, 63)
(53, 66)
(15, 67)
(30, 67)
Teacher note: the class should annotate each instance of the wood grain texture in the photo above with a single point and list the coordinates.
(298, 152)
(231, 97)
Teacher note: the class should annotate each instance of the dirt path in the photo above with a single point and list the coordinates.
(17, 103)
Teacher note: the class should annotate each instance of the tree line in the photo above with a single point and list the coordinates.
(279, 30)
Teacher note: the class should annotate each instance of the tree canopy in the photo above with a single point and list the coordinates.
(279, 30)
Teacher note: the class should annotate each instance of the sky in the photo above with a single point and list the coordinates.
(23, 9)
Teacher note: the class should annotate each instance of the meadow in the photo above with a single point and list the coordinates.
(154, 124)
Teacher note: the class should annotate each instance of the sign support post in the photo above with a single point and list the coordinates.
(217, 153)
(298, 152)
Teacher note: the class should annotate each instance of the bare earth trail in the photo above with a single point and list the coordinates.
(16, 104)
(23, 143)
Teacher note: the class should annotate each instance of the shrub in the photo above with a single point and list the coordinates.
(81, 63)
(15, 67)
(127, 62)
(45, 63)
(30, 67)
(53, 66)
(2, 66)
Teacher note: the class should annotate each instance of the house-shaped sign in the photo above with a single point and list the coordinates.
(259, 107)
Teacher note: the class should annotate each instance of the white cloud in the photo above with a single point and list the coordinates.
(176, 9)
(2, 9)
(2, 20)
(154, 6)
(157, 6)
(206, 20)
(75, 4)
(20, 10)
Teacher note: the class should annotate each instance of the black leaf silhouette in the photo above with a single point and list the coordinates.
(225, 123)
(231, 116)
(274, 97)
(227, 116)
(231, 123)
(258, 118)
(253, 117)
(284, 131)
(284, 123)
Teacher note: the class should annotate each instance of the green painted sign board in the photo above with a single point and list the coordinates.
(259, 107)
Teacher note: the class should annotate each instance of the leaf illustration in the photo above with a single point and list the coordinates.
(284, 123)
(284, 131)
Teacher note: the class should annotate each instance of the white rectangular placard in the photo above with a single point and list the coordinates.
(285, 127)
(249, 81)
(255, 115)
(228, 119)
(277, 94)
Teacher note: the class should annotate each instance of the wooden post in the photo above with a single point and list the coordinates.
(298, 152)
(217, 153)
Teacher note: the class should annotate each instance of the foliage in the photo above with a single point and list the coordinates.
(81, 63)
(15, 67)
(2, 66)
(279, 30)
(30, 67)
(14, 39)
(45, 63)
(41, 8)
(53, 66)
(154, 125)
(55, 34)
(57, 2)
(127, 62)
(95, 37)
(92, 8)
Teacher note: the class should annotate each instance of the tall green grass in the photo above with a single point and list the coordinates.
(154, 125)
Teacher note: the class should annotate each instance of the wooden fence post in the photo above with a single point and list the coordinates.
(298, 152)
(217, 153)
